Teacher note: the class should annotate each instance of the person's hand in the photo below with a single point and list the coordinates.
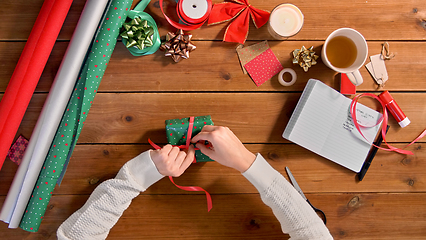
(171, 161)
(224, 147)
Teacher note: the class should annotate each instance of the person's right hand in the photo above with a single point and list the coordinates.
(225, 148)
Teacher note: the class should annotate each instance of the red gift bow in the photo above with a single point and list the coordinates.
(239, 11)
(186, 146)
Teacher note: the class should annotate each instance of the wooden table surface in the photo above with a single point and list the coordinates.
(138, 93)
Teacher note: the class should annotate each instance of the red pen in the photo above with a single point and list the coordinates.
(395, 110)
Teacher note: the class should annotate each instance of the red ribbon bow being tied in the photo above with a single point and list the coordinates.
(239, 11)
(188, 188)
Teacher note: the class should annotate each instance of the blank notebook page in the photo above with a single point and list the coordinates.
(321, 122)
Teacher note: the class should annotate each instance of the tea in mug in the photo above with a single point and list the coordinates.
(341, 52)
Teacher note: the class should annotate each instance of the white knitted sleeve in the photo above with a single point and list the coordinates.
(296, 216)
(109, 200)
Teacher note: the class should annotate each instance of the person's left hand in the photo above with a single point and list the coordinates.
(171, 161)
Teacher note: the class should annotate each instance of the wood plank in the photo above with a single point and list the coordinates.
(373, 216)
(9, 55)
(138, 93)
(390, 172)
(254, 117)
(407, 17)
(135, 117)
(26, 12)
(393, 19)
(244, 216)
(220, 70)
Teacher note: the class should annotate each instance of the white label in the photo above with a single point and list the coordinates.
(378, 64)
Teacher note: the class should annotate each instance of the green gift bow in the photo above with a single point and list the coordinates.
(177, 130)
(137, 33)
(144, 45)
(77, 109)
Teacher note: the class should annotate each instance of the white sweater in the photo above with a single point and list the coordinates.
(111, 198)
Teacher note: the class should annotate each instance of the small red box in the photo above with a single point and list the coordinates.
(16, 152)
(346, 86)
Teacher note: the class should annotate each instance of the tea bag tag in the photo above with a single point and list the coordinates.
(377, 69)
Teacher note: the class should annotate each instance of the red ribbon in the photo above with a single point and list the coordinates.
(190, 23)
(384, 124)
(186, 146)
(239, 11)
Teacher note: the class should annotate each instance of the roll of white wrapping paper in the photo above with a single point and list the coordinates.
(51, 114)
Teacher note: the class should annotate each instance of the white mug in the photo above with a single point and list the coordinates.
(352, 71)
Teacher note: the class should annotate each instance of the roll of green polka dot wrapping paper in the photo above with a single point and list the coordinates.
(76, 112)
(177, 132)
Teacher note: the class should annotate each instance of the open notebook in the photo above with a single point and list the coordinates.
(321, 123)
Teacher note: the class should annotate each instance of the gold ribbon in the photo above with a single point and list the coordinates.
(305, 58)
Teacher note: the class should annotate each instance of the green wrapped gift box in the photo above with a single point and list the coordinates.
(177, 131)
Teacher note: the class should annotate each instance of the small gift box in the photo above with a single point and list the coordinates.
(177, 132)
(16, 152)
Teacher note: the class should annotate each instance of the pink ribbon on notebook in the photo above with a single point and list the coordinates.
(384, 124)
(186, 146)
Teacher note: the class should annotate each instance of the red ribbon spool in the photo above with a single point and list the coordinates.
(190, 23)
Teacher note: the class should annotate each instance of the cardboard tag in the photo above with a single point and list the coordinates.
(377, 69)
(370, 69)
(246, 54)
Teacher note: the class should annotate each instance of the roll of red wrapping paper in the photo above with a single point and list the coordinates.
(29, 69)
(44, 131)
(76, 112)
(193, 13)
